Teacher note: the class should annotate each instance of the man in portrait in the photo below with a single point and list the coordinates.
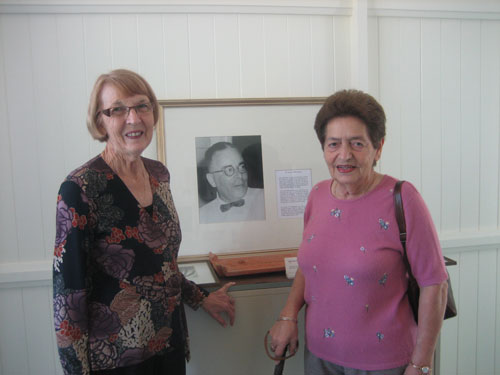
(227, 174)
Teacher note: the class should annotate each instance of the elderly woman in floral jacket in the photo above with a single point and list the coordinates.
(118, 292)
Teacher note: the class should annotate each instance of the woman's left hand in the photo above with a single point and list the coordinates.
(219, 302)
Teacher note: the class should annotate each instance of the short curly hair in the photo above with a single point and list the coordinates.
(354, 103)
(128, 83)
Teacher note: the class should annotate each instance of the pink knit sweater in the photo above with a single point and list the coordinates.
(357, 311)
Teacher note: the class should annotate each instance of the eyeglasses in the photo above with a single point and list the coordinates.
(123, 111)
(229, 170)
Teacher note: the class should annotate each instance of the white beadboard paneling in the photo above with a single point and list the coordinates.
(23, 132)
(470, 108)
(227, 56)
(467, 324)
(13, 333)
(489, 125)
(431, 116)
(49, 131)
(202, 55)
(8, 240)
(373, 56)
(450, 122)
(496, 331)
(486, 317)
(124, 43)
(53, 343)
(342, 53)
(39, 323)
(97, 41)
(150, 48)
(277, 53)
(253, 74)
(389, 67)
(177, 74)
(322, 47)
(250, 329)
(448, 347)
(411, 139)
(74, 98)
(300, 55)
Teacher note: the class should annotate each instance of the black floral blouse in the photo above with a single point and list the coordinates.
(118, 292)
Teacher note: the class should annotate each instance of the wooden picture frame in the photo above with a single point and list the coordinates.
(231, 102)
(279, 122)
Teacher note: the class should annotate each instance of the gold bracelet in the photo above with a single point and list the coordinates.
(424, 370)
(286, 318)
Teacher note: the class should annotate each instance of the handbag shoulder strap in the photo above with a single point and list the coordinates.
(400, 218)
(400, 214)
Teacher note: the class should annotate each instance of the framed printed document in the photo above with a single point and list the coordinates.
(280, 135)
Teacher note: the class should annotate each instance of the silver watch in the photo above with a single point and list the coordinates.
(424, 370)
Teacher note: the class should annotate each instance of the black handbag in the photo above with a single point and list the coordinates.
(413, 288)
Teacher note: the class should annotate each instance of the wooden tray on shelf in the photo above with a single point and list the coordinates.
(228, 266)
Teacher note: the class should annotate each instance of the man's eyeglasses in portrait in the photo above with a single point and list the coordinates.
(229, 170)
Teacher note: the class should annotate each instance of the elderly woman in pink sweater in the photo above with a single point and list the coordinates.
(351, 274)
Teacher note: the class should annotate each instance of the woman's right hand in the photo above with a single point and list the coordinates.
(283, 333)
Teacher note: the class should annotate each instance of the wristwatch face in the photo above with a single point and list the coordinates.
(426, 370)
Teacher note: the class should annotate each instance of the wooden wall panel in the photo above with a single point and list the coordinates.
(299, 41)
(73, 99)
(97, 51)
(468, 320)
(277, 52)
(227, 56)
(48, 125)
(38, 321)
(245, 340)
(431, 130)
(489, 126)
(342, 53)
(389, 93)
(9, 241)
(487, 313)
(253, 76)
(13, 345)
(450, 122)
(202, 55)
(150, 51)
(496, 330)
(23, 131)
(322, 47)
(409, 99)
(373, 56)
(448, 347)
(470, 107)
(176, 52)
(124, 42)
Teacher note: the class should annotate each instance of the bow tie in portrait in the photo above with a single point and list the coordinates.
(226, 206)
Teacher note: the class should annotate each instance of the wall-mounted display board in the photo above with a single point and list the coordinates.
(231, 150)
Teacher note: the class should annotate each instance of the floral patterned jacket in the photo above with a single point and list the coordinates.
(117, 286)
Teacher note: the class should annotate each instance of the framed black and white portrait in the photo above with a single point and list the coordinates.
(230, 178)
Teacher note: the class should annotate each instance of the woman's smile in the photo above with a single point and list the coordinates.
(345, 168)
